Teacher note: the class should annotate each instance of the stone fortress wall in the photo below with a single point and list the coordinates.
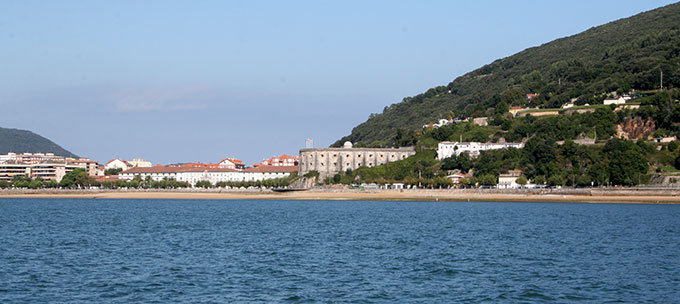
(330, 161)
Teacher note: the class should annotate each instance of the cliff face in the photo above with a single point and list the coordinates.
(635, 128)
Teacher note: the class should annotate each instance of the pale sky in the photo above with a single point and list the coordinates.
(186, 81)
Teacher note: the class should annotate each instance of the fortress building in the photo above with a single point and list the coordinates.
(330, 161)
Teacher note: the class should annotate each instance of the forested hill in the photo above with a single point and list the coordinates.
(622, 55)
(20, 141)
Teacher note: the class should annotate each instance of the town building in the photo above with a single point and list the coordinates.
(140, 162)
(330, 161)
(30, 157)
(665, 139)
(509, 180)
(457, 177)
(447, 149)
(481, 121)
(46, 166)
(195, 165)
(630, 106)
(440, 123)
(515, 110)
(210, 174)
(614, 101)
(531, 97)
(231, 163)
(283, 160)
(117, 163)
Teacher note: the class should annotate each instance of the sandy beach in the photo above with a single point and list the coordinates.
(582, 196)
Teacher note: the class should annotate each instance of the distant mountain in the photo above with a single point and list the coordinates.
(21, 141)
(622, 55)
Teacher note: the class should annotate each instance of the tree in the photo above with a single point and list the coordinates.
(35, 184)
(627, 162)
(677, 162)
(204, 184)
(76, 179)
(312, 173)
(488, 180)
(522, 180)
(113, 171)
(502, 108)
(539, 180)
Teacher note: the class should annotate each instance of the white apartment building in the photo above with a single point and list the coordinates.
(47, 166)
(44, 170)
(447, 149)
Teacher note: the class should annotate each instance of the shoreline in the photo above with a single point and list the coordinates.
(631, 196)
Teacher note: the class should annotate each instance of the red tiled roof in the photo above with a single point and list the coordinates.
(199, 165)
(233, 160)
(115, 159)
(280, 160)
(273, 169)
(139, 170)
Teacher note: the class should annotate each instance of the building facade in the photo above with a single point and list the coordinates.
(447, 149)
(212, 175)
(231, 163)
(50, 169)
(140, 162)
(330, 161)
(117, 164)
(283, 160)
(509, 180)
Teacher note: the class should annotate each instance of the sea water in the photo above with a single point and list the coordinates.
(225, 251)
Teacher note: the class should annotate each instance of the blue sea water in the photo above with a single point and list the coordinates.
(203, 251)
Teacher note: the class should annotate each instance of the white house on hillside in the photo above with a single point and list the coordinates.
(615, 101)
(447, 149)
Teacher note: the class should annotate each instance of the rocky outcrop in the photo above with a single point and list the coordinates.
(635, 128)
(303, 183)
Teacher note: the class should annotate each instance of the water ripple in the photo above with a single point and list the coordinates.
(161, 251)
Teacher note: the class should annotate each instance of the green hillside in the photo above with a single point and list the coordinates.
(20, 141)
(624, 55)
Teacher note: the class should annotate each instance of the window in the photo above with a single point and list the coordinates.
(321, 155)
(370, 155)
(335, 155)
